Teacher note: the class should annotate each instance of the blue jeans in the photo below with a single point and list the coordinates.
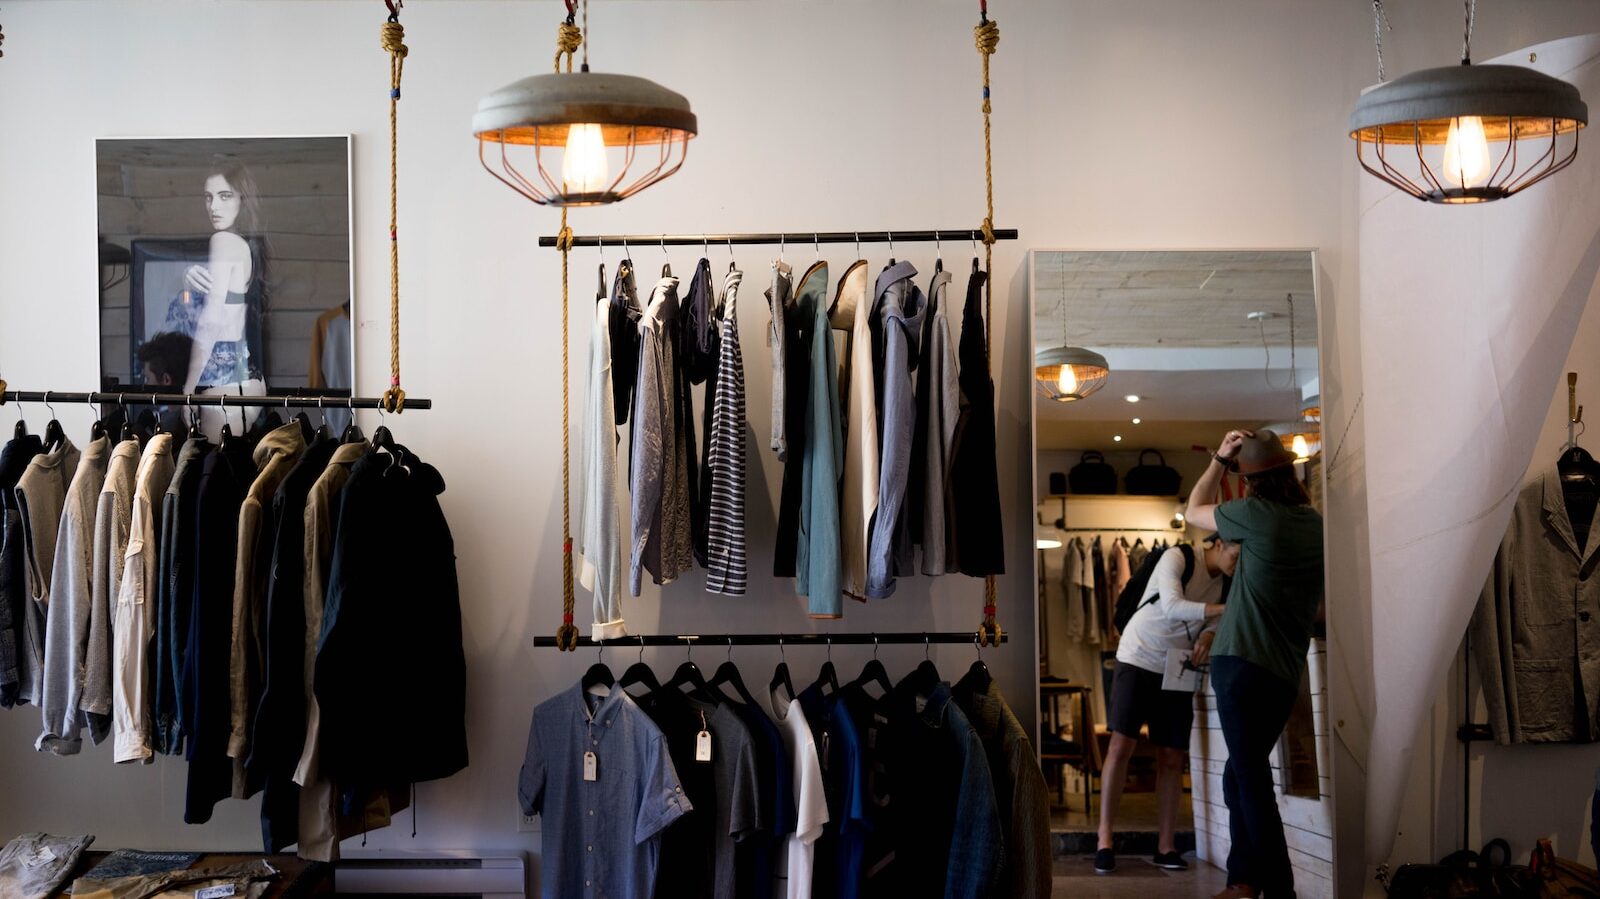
(1254, 705)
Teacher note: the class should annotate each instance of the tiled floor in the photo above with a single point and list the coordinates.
(1137, 811)
(1135, 878)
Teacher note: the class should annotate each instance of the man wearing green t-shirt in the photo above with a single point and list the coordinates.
(1260, 651)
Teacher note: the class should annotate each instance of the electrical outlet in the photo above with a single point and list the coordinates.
(527, 823)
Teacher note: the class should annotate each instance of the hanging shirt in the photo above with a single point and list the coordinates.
(622, 326)
(41, 493)
(899, 308)
(112, 520)
(602, 836)
(699, 334)
(1021, 794)
(600, 536)
(810, 802)
(938, 406)
(658, 476)
(1277, 586)
(740, 816)
(134, 619)
(725, 550)
(71, 595)
(688, 847)
(817, 546)
(973, 483)
(777, 338)
(858, 499)
(797, 323)
(838, 855)
(176, 586)
(756, 855)
(14, 461)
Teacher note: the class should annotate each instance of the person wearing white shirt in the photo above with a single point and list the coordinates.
(1184, 593)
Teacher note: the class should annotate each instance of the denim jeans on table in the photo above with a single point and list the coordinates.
(1253, 705)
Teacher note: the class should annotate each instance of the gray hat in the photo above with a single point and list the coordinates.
(1262, 453)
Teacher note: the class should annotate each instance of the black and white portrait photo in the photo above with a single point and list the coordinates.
(225, 267)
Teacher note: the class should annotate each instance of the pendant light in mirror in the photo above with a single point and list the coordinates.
(614, 135)
(1067, 373)
(1466, 134)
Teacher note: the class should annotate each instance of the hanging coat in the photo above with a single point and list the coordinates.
(973, 485)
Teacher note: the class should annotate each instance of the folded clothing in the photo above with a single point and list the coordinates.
(243, 877)
(34, 865)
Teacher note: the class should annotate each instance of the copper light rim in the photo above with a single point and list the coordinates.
(1089, 369)
(1496, 129)
(1511, 100)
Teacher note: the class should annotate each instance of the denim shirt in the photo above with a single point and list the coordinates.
(899, 308)
(601, 837)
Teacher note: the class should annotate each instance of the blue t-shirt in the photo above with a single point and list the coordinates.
(842, 846)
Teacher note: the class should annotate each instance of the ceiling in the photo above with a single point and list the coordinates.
(1173, 298)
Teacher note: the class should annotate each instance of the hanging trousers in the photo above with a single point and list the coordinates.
(1253, 705)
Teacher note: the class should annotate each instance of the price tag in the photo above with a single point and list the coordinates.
(591, 767)
(220, 891)
(702, 746)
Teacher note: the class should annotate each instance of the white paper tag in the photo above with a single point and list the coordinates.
(220, 891)
(702, 746)
(591, 767)
(1179, 676)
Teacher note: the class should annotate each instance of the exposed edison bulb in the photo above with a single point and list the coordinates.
(1466, 151)
(1302, 451)
(583, 165)
(1046, 543)
(1067, 381)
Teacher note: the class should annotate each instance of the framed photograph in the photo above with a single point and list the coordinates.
(237, 278)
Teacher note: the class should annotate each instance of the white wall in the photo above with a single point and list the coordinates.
(1146, 124)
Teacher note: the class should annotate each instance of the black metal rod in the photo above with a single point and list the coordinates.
(798, 238)
(803, 639)
(144, 398)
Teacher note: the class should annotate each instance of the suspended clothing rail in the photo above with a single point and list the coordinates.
(806, 639)
(798, 238)
(123, 398)
(1176, 531)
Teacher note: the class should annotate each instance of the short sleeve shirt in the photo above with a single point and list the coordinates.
(1277, 586)
(600, 837)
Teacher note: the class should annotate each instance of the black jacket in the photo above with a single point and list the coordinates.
(390, 671)
(973, 483)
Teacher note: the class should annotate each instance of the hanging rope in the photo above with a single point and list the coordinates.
(568, 40)
(392, 36)
(987, 37)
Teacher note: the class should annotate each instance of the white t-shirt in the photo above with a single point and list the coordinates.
(811, 806)
(1176, 618)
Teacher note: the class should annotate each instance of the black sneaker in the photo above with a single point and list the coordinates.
(1105, 861)
(1171, 861)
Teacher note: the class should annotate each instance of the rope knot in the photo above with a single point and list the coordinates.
(569, 38)
(988, 231)
(394, 400)
(567, 638)
(2, 392)
(987, 36)
(393, 36)
(564, 239)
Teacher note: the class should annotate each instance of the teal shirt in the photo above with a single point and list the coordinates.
(1277, 586)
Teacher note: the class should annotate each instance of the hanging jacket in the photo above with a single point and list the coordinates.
(699, 356)
(204, 701)
(973, 485)
(852, 310)
(71, 594)
(134, 618)
(796, 376)
(622, 318)
(41, 494)
(938, 405)
(658, 472)
(778, 304)
(14, 461)
(277, 732)
(113, 518)
(177, 586)
(899, 307)
(817, 544)
(392, 594)
(599, 534)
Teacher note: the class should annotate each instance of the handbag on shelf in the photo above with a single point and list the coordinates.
(1092, 475)
(1467, 875)
(1159, 479)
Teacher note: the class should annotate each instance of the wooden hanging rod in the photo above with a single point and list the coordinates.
(142, 398)
(714, 640)
(798, 238)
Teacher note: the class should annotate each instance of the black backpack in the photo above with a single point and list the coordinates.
(1128, 601)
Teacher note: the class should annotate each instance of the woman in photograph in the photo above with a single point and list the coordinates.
(223, 300)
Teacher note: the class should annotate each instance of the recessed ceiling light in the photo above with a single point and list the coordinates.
(1046, 543)
(1117, 438)
(1138, 421)
(1133, 397)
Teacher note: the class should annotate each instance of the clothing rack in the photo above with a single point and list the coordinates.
(798, 238)
(123, 398)
(1178, 531)
(804, 639)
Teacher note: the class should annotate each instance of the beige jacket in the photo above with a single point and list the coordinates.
(852, 313)
(1536, 632)
(134, 619)
(274, 456)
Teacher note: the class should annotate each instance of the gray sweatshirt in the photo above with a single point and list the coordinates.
(112, 518)
(944, 402)
(901, 306)
(41, 492)
(71, 594)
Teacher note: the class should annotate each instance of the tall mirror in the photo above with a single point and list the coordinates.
(1144, 360)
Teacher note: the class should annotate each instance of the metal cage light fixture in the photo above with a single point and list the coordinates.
(599, 123)
(1066, 373)
(1433, 133)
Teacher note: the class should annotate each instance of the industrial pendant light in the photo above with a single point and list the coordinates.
(1466, 134)
(616, 134)
(1065, 373)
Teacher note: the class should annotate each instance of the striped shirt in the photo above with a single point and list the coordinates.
(725, 563)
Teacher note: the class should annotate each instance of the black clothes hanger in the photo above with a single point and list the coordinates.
(689, 675)
(54, 435)
(21, 429)
(98, 429)
(873, 672)
(1576, 465)
(639, 673)
(324, 432)
(195, 432)
(923, 678)
(127, 423)
(827, 679)
(728, 673)
(352, 431)
(938, 249)
(666, 267)
(598, 675)
(977, 678)
(780, 676)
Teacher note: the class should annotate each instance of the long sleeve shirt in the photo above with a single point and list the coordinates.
(858, 500)
(900, 307)
(817, 573)
(657, 477)
(600, 540)
(1171, 615)
(777, 335)
(974, 480)
(71, 595)
(726, 571)
(938, 406)
(112, 521)
(41, 494)
(135, 616)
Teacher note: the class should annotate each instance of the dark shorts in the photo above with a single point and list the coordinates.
(1137, 698)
